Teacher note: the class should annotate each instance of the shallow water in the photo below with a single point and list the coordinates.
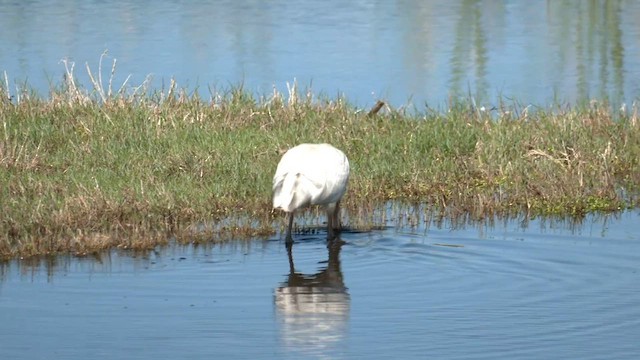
(547, 290)
(400, 51)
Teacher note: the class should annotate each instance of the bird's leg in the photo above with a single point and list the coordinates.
(333, 221)
(330, 218)
(288, 238)
(336, 218)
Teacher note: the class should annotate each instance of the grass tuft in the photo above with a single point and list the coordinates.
(89, 169)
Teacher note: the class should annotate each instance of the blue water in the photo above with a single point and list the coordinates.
(405, 52)
(547, 290)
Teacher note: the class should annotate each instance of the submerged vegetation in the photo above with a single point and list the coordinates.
(83, 170)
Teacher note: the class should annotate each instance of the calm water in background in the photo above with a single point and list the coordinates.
(402, 51)
(547, 290)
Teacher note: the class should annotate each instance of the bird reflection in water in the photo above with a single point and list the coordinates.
(313, 309)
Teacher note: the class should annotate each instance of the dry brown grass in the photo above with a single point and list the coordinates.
(90, 170)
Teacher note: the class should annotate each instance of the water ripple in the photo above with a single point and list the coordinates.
(486, 293)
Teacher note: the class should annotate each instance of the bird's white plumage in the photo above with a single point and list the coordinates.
(311, 174)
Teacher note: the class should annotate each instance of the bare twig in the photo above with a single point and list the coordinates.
(374, 110)
(293, 92)
(6, 84)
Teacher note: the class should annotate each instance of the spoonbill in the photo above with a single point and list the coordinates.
(311, 174)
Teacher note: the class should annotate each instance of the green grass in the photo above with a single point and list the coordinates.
(87, 170)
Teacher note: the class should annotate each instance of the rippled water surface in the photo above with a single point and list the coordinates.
(547, 290)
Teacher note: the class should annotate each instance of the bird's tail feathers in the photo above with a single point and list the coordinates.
(289, 192)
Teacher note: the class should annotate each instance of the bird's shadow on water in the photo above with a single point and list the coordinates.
(313, 309)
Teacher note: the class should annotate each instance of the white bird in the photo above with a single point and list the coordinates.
(311, 174)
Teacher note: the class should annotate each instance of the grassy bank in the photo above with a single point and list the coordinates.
(85, 170)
